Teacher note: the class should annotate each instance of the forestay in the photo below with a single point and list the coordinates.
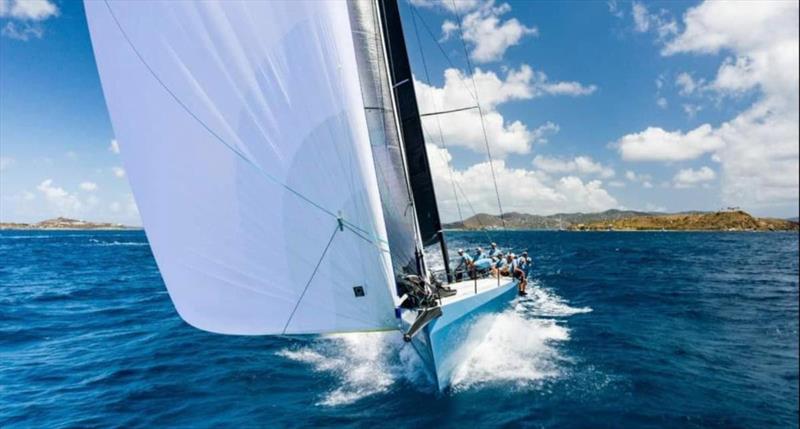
(243, 133)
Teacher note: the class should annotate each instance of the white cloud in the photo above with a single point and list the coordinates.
(581, 165)
(640, 17)
(32, 10)
(449, 5)
(119, 172)
(521, 190)
(691, 110)
(656, 144)
(60, 199)
(757, 149)
(487, 34)
(464, 128)
(88, 186)
(22, 31)
(662, 102)
(687, 84)
(644, 21)
(568, 88)
(644, 179)
(688, 178)
(114, 146)
(614, 9)
(27, 16)
(6, 162)
(650, 207)
(541, 132)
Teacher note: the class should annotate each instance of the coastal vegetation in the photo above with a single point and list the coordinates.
(63, 223)
(629, 220)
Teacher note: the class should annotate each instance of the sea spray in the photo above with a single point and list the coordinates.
(517, 345)
(361, 364)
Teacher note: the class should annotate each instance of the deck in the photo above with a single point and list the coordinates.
(466, 288)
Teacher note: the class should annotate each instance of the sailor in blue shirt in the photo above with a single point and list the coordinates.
(494, 252)
(524, 261)
(517, 273)
(483, 262)
(465, 264)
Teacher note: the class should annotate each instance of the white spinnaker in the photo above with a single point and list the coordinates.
(243, 134)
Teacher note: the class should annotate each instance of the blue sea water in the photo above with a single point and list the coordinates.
(620, 330)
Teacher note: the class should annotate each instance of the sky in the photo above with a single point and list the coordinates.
(586, 106)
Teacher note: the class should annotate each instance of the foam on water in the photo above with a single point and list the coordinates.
(517, 346)
(544, 302)
(361, 364)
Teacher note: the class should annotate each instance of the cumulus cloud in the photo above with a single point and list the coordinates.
(88, 186)
(656, 144)
(580, 165)
(521, 190)
(33, 10)
(119, 172)
(27, 16)
(487, 34)
(63, 201)
(114, 146)
(688, 178)
(757, 149)
(464, 128)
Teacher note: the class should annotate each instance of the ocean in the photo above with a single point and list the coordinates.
(631, 330)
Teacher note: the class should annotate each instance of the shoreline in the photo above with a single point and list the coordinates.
(621, 230)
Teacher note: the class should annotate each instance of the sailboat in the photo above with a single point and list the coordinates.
(276, 155)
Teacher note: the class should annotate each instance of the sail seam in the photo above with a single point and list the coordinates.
(218, 137)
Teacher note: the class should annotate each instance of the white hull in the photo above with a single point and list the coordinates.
(440, 343)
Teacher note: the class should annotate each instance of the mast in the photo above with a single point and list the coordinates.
(420, 180)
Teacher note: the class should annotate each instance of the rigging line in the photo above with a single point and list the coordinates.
(466, 198)
(480, 111)
(209, 130)
(443, 112)
(414, 12)
(438, 121)
(450, 171)
(308, 283)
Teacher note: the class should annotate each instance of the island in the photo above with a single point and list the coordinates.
(63, 223)
(627, 220)
(717, 221)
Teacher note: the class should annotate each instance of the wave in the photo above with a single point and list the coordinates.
(543, 302)
(97, 242)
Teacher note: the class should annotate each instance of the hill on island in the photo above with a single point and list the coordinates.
(63, 223)
(629, 220)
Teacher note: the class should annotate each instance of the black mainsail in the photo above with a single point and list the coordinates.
(430, 226)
